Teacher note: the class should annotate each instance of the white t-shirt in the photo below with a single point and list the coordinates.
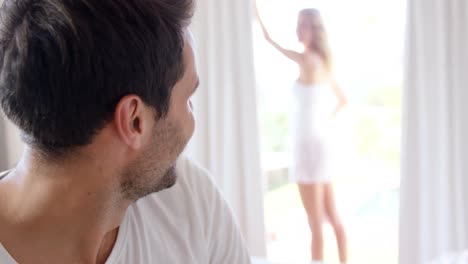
(189, 223)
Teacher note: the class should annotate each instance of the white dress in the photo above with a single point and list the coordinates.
(309, 150)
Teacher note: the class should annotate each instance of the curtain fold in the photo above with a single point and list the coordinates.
(434, 210)
(226, 139)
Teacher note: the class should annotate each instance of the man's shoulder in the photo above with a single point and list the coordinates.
(190, 172)
(194, 213)
(190, 200)
(194, 186)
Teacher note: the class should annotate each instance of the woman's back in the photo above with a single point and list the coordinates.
(311, 69)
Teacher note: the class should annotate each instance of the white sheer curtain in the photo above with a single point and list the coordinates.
(226, 139)
(434, 198)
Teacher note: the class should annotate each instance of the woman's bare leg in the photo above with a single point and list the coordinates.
(313, 200)
(335, 221)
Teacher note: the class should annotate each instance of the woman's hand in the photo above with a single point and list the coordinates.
(265, 32)
(290, 54)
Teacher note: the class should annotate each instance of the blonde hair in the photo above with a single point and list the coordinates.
(320, 43)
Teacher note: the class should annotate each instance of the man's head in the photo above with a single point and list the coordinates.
(117, 74)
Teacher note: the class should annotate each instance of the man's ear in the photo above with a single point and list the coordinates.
(129, 121)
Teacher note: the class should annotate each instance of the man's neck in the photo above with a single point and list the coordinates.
(60, 213)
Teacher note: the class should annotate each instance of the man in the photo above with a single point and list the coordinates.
(101, 92)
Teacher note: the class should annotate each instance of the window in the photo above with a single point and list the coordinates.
(367, 40)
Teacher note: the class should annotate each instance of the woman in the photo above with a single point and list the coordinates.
(309, 168)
